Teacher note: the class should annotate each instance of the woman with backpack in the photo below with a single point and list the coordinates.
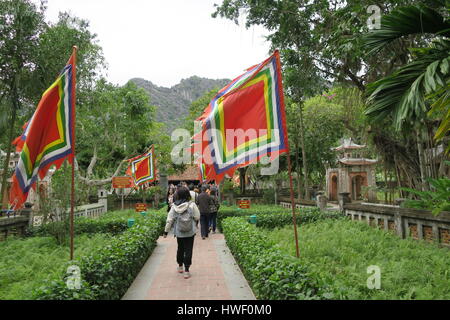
(183, 217)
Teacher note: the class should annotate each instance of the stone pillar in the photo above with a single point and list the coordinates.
(343, 198)
(163, 183)
(321, 201)
(401, 230)
(103, 198)
(28, 212)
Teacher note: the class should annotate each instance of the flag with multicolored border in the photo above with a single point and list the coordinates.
(142, 168)
(245, 121)
(48, 137)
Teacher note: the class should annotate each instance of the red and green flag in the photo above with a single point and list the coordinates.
(48, 138)
(244, 122)
(142, 168)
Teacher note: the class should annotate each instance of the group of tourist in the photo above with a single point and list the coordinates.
(187, 206)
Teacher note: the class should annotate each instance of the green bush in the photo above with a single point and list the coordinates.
(109, 271)
(274, 216)
(84, 225)
(272, 274)
(277, 220)
(234, 211)
(114, 222)
(58, 290)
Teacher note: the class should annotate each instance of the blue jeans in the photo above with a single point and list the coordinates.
(213, 221)
(204, 224)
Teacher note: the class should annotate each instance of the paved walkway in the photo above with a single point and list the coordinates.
(214, 274)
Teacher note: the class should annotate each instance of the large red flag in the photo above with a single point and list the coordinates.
(48, 138)
(244, 122)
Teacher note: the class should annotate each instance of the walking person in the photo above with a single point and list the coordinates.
(214, 208)
(169, 198)
(194, 194)
(182, 217)
(204, 204)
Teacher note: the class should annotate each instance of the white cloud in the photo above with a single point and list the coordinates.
(165, 41)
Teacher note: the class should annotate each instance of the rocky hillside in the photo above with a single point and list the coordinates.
(173, 103)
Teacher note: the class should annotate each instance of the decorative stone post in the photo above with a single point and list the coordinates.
(321, 201)
(343, 198)
(103, 198)
(163, 183)
(27, 212)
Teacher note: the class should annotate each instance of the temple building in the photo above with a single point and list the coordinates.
(353, 173)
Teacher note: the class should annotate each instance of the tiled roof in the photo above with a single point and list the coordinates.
(358, 162)
(191, 173)
(348, 144)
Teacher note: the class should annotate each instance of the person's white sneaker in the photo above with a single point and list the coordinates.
(187, 275)
(180, 269)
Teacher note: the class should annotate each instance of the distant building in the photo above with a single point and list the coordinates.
(190, 175)
(352, 174)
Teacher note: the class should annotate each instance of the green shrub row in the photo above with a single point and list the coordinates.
(275, 216)
(307, 215)
(108, 272)
(111, 222)
(272, 274)
(83, 225)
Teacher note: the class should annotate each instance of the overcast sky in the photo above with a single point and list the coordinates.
(165, 41)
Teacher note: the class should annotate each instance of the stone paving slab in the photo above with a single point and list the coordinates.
(214, 274)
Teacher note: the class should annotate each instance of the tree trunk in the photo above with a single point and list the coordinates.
(423, 169)
(297, 164)
(386, 185)
(302, 141)
(242, 179)
(15, 104)
(276, 194)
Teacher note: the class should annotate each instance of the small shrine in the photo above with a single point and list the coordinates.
(353, 172)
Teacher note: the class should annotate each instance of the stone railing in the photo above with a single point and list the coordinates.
(93, 210)
(285, 202)
(15, 224)
(90, 210)
(405, 222)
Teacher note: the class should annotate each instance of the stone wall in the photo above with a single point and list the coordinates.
(405, 222)
(15, 224)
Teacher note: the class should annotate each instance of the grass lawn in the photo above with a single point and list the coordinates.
(26, 263)
(340, 251)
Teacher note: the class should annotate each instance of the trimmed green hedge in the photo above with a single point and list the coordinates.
(234, 211)
(108, 272)
(83, 225)
(275, 216)
(278, 220)
(272, 274)
(114, 223)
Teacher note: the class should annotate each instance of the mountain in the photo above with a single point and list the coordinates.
(173, 103)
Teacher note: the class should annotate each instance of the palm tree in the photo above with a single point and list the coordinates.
(419, 89)
(405, 95)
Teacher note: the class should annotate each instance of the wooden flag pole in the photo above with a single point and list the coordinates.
(294, 220)
(72, 193)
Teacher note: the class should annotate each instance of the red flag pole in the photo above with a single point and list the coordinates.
(294, 220)
(72, 194)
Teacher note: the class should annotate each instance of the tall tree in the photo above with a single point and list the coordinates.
(21, 23)
(114, 124)
(403, 97)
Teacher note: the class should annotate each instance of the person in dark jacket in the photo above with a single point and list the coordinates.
(213, 210)
(204, 204)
